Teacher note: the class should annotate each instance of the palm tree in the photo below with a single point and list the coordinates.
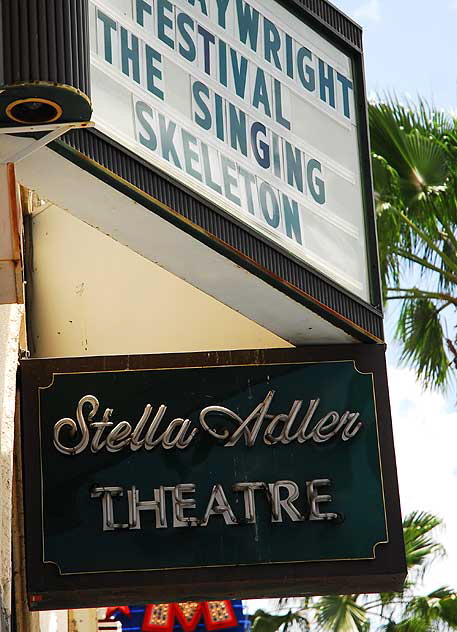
(414, 163)
(405, 611)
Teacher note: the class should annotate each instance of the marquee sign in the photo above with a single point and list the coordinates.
(234, 132)
(195, 466)
(249, 107)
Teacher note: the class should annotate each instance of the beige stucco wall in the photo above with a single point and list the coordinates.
(90, 295)
(10, 323)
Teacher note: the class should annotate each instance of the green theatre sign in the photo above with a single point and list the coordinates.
(229, 465)
(203, 462)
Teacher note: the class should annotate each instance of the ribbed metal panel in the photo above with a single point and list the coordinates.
(231, 238)
(46, 41)
(327, 14)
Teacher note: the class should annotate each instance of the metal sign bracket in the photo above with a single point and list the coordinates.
(55, 130)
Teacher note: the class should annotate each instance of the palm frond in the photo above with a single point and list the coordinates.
(435, 611)
(448, 605)
(263, 621)
(341, 614)
(390, 626)
(443, 592)
(426, 163)
(420, 115)
(420, 546)
(421, 334)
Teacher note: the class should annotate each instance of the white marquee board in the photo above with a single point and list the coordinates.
(246, 105)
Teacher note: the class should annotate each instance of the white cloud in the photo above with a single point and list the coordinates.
(453, 4)
(369, 12)
(425, 438)
(373, 96)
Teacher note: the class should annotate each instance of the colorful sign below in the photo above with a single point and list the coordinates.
(181, 617)
(185, 616)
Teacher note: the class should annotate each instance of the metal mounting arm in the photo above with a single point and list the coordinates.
(55, 130)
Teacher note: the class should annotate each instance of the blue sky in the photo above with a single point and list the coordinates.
(410, 47)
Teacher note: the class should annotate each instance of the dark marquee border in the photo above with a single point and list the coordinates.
(167, 197)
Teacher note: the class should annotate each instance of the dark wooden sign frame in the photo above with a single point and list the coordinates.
(47, 589)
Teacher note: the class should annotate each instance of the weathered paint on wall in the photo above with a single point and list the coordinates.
(55, 621)
(90, 295)
(10, 324)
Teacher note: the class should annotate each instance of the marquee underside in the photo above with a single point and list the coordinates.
(88, 198)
